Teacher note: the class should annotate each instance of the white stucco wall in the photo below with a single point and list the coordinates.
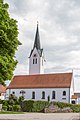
(35, 68)
(2, 97)
(48, 92)
(72, 89)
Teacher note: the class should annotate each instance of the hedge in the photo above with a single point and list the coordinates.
(16, 108)
(34, 106)
(74, 107)
(4, 107)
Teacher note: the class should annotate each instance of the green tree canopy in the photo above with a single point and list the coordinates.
(8, 43)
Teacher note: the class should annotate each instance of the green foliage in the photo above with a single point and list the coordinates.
(38, 106)
(10, 108)
(74, 107)
(5, 102)
(61, 104)
(4, 107)
(8, 43)
(21, 98)
(27, 105)
(16, 108)
(13, 100)
(34, 106)
(48, 98)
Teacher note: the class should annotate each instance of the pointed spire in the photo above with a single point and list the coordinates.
(37, 39)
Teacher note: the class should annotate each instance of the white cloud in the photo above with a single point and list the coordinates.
(59, 26)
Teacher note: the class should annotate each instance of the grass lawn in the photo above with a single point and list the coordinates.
(10, 112)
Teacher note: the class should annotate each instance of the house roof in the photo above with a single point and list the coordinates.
(2, 89)
(74, 97)
(61, 80)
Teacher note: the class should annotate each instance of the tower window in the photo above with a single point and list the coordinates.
(43, 95)
(64, 93)
(33, 95)
(53, 94)
(36, 60)
(33, 61)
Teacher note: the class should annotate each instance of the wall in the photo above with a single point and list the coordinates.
(48, 92)
(2, 97)
(35, 68)
(71, 89)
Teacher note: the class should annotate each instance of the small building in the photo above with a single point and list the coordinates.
(2, 92)
(37, 85)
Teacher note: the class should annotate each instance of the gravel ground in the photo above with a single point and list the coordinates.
(41, 116)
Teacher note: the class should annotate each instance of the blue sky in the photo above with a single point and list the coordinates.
(59, 28)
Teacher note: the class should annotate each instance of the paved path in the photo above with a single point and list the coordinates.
(41, 116)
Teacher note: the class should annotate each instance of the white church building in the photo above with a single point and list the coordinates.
(37, 85)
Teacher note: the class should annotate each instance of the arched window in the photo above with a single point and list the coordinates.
(53, 94)
(43, 95)
(36, 61)
(33, 95)
(33, 61)
(64, 93)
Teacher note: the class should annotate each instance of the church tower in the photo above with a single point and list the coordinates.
(36, 58)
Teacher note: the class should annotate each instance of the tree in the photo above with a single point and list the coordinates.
(8, 43)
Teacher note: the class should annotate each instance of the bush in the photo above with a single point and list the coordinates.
(61, 104)
(27, 105)
(34, 106)
(38, 106)
(75, 107)
(5, 102)
(48, 98)
(16, 108)
(4, 107)
(13, 100)
(21, 98)
(10, 108)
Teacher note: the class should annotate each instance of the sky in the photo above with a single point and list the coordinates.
(59, 29)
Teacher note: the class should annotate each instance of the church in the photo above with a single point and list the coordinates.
(37, 85)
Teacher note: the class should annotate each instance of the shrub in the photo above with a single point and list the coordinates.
(48, 98)
(5, 102)
(11, 102)
(10, 108)
(4, 107)
(27, 105)
(13, 99)
(34, 106)
(61, 104)
(21, 98)
(38, 106)
(74, 107)
(16, 108)
(0, 101)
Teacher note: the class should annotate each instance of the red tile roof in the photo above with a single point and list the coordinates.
(74, 97)
(2, 89)
(60, 80)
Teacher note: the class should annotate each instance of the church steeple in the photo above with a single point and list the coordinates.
(36, 58)
(37, 39)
